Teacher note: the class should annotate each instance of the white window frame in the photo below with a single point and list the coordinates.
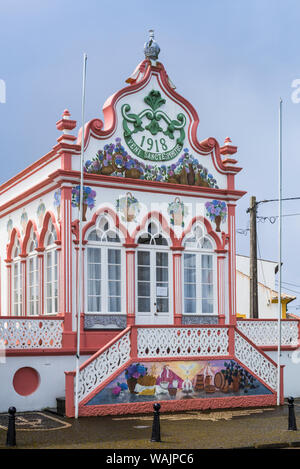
(198, 252)
(104, 246)
(153, 249)
(32, 256)
(16, 263)
(52, 250)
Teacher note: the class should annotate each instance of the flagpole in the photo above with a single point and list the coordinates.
(79, 276)
(280, 251)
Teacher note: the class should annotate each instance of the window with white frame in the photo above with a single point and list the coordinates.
(32, 278)
(153, 271)
(104, 267)
(51, 272)
(16, 281)
(198, 273)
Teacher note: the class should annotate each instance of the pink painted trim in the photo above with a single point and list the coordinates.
(179, 405)
(208, 228)
(48, 215)
(30, 225)
(162, 221)
(99, 352)
(256, 347)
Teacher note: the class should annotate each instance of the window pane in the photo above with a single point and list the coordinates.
(206, 261)
(162, 274)
(94, 271)
(114, 256)
(207, 291)
(190, 290)
(94, 287)
(162, 259)
(94, 255)
(144, 273)
(143, 258)
(114, 272)
(189, 306)
(143, 288)
(114, 304)
(207, 276)
(190, 275)
(144, 305)
(162, 304)
(94, 304)
(189, 260)
(207, 306)
(114, 288)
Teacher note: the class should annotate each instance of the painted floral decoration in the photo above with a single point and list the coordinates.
(216, 211)
(89, 196)
(118, 388)
(177, 211)
(135, 371)
(57, 198)
(128, 206)
(115, 161)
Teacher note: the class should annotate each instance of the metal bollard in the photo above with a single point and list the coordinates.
(292, 418)
(156, 424)
(11, 429)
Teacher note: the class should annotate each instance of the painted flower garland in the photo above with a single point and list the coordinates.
(114, 160)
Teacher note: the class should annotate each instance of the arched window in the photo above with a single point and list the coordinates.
(104, 265)
(198, 273)
(32, 277)
(153, 277)
(16, 280)
(51, 271)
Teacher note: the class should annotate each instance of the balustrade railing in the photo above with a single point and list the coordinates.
(31, 333)
(255, 360)
(182, 341)
(264, 332)
(103, 364)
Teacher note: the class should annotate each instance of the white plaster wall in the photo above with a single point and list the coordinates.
(291, 371)
(52, 381)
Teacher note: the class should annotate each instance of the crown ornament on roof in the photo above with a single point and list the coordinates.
(151, 48)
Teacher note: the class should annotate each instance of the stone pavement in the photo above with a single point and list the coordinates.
(247, 428)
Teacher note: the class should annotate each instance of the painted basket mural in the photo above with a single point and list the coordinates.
(128, 207)
(158, 381)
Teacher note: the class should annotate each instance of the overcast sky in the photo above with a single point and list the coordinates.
(231, 59)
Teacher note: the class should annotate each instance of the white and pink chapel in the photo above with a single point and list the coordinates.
(158, 320)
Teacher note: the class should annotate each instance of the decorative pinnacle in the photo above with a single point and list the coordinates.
(151, 48)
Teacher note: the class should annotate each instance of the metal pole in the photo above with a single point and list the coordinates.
(280, 253)
(253, 260)
(79, 286)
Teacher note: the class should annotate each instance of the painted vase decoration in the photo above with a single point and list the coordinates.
(216, 211)
(131, 384)
(191, 175)
(89, 198)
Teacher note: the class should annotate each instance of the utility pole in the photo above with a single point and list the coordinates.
(253, 260)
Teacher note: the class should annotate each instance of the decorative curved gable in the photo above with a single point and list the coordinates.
(155, 131)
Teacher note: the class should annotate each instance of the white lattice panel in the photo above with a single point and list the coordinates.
(255, 361)
(103, 366)
(31, 333)
(182, 342)
(264, 333)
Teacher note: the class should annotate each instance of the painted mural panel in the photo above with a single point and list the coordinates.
(151, 381)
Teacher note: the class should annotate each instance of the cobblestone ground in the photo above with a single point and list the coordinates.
(190, 430)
